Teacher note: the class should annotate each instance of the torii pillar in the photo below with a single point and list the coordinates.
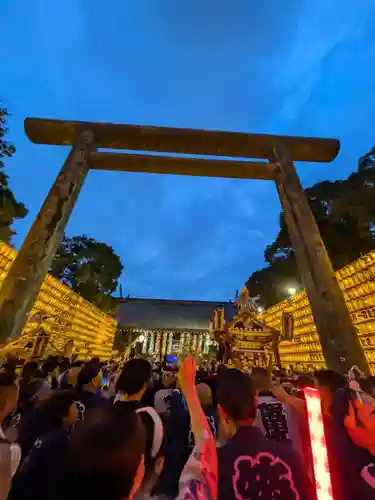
(341, 346)
(22, 284)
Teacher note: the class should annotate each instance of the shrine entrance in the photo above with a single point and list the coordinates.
(340, 344)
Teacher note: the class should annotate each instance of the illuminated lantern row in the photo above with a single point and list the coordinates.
(357, 282)
(68, 319)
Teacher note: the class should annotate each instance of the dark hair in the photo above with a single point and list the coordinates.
(64, 365)
(221, 369)
(88, 372)
(47, 417)
(331, 379)
(29, 391)
(235, 394)
(49, 366)
(29, 370)
(57, 406)
(305, 381)
(105, 452)
(135, 374)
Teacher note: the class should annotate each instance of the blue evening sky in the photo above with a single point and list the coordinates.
(302, 67)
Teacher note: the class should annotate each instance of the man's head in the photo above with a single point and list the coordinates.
(105, 458)
(8, 394)
(236, 396)
(90, 376)
(261, 378)
(134, 378)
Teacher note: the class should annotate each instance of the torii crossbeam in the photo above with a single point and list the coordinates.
(232, 152)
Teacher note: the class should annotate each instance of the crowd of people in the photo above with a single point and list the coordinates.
(100, 431)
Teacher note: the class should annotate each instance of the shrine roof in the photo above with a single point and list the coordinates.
(170, 314)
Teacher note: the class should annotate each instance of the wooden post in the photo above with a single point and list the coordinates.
(24, 280)
(275, 335)
(340, 343)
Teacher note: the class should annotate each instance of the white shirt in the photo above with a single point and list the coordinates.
(15, 454)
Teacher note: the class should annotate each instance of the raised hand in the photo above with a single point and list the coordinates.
(187, 370)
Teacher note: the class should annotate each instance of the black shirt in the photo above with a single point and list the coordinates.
(41, 475)
(250, 466)
(87, 401)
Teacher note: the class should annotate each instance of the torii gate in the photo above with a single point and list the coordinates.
(340, 344)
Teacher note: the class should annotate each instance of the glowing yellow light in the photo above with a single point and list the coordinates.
(68, 316)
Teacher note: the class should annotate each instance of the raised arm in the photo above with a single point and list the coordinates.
(281, 394)
(199, 477)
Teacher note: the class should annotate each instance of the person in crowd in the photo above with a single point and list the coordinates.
(180, 436)
(45, 417)
(205, 398)
(108, 452)
(40, 473)
(352, 447)
(329, 382)
(106, 455)
(63, 368)
(88, 386)
(33, 393)
(133, 382)
(154, 451)
(199, 477)
(162, 396)
(10, 453)
(49, 370)
(29, 373)
(9, 366)
(276, 419)
(250, 465)
(68, 379)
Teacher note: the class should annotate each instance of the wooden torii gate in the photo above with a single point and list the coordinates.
(340, 344)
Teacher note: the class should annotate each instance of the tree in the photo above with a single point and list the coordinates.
(90, 268)
(10, 208)
(345, 214)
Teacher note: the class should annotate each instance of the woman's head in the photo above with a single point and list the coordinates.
(105, 459)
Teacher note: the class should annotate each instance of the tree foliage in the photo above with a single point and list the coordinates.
(10, 208)
(90, 268)
(345, 213)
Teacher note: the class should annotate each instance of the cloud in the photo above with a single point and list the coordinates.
(294, 66)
